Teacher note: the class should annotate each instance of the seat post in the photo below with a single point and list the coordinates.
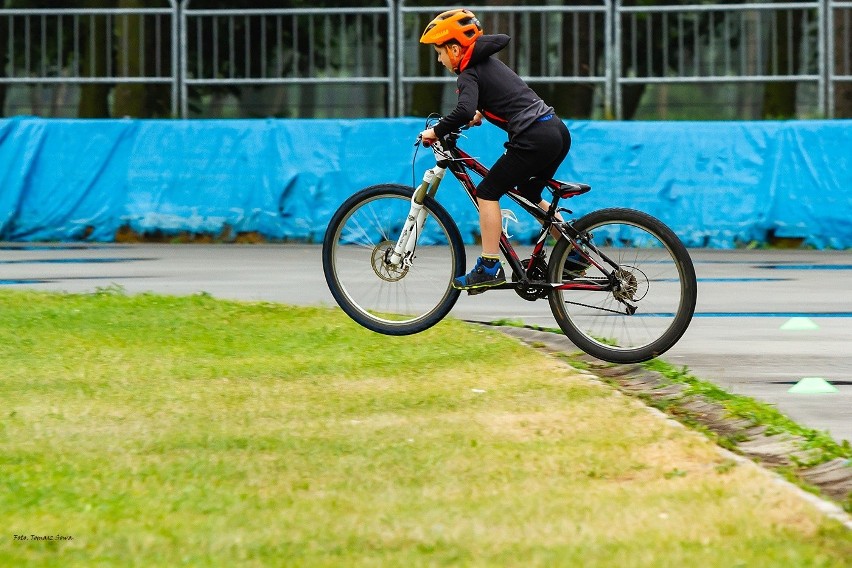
(551, 211)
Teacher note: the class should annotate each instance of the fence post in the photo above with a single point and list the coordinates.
(182, 41)
(609, 60)
(176, 58)
(823, 9)
(400, 46)
(393, 53)
(827, 58)
(615, 45)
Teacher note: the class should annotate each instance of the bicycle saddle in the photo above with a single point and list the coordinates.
(571, 188)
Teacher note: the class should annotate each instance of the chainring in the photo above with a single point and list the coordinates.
(538, 272)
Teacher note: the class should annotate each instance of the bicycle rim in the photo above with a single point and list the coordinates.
(656, 277)
(384, 298)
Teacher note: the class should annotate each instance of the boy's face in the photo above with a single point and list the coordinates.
(448, 55)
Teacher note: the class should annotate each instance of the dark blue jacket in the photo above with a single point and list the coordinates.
(486, 84)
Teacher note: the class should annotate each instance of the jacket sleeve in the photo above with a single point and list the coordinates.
(465, 108)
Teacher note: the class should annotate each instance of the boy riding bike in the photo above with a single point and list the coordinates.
(487, 88)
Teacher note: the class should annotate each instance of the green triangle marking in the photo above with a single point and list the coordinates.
(799, 324)
(812, 385)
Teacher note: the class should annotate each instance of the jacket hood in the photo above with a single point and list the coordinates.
(486, 46)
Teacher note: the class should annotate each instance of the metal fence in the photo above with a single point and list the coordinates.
(606, 46)
(551, 44)
(708, 44)
(63, 46)
(297, 46)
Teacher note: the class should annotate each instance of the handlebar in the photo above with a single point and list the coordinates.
(451, 137)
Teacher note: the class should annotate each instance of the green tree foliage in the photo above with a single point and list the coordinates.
(779, 98)
(146, 100)
(570, 100)
(645, 32)
(43, 60)
(138, 50)
(94, 97)
(289, 50)
(53, 46)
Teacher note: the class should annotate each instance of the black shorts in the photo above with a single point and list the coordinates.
(535, 152)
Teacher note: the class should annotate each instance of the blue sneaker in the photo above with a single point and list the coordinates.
(486, 274)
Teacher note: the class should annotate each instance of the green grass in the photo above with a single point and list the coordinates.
(760, 413)
(826, 448)
(161, 431)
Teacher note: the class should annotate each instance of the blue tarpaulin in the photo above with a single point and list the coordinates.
(718, 184)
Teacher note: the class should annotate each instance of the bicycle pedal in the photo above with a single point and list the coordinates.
(476, 291)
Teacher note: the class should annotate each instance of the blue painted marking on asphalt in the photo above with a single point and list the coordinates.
(834, 383)
(13, 282)
(752, 314)
(774, 314)
(807, 266)
(752, 262)
(728, 280)
(72, 261)
(60, 247)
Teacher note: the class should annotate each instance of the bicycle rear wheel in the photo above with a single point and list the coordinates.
(393, 300)
(655, 275)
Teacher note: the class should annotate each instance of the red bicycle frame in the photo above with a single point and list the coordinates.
(458, 162)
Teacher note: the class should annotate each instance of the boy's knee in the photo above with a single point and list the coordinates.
(487, 192)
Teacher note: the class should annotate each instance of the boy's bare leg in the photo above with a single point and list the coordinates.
(553, 231)
(488, 271)
(490, 225)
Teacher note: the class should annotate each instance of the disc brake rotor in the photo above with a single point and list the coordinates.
(382, 266)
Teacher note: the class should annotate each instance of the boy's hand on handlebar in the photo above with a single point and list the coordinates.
(428, 137)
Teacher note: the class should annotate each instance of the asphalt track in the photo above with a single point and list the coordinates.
(740, 337)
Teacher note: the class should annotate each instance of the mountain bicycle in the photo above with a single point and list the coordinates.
(620, 283)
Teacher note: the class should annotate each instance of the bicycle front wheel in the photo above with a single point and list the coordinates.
(653, 297)
(392, 299)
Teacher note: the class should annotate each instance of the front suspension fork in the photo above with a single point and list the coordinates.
(403, 250)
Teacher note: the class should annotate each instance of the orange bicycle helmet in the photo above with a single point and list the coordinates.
(460, 25)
